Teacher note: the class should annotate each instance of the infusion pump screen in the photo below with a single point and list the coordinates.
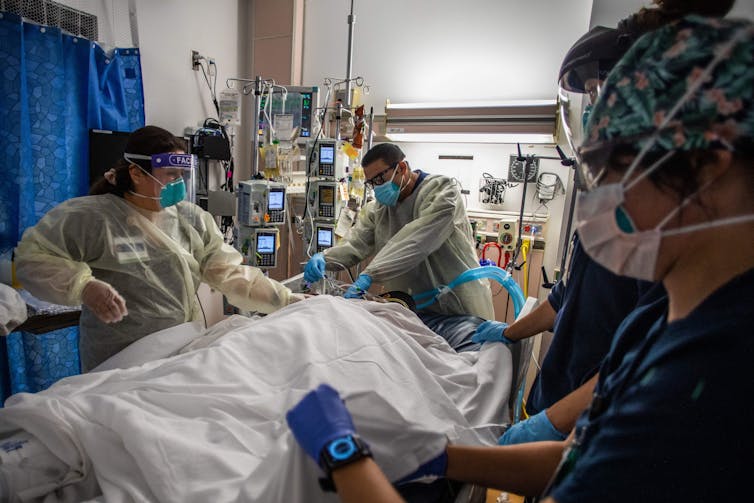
(327, 195)
(326, 154)
(265, 243)
(276, 200)
(324, 237)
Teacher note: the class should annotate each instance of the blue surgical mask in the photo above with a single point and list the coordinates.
(388, 192)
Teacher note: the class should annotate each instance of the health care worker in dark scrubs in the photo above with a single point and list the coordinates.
(134, 253)
(586, 307)
(669, 161)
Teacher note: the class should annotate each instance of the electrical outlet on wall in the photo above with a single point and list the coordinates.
(195, 58)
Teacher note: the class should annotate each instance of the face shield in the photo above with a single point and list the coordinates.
(578, 90)
(174, 172)
(584, 69)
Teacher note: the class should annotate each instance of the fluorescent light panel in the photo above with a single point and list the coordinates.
(471, 138)
(472, 122)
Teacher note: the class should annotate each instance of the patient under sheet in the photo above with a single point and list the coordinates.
(208, 424)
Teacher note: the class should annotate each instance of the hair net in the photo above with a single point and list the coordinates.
(650, 93)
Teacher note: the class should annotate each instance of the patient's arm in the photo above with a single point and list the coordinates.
(522, 469)
(542, 318)
(364, 482)
(564, 413)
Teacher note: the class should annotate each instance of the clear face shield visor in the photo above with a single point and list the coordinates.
(594, 160)
(174, 172)
(578, 90)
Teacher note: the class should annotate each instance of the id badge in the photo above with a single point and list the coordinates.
(127, 250)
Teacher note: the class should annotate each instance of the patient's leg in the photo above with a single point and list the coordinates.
(457, 329)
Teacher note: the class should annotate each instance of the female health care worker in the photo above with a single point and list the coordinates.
(133, 253)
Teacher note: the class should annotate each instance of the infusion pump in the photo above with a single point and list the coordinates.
(325, 199)
(258, 245)
(324, 234)
(261, 202)
(326, 159)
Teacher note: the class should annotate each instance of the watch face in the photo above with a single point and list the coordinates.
(342, 451)
(342, 448)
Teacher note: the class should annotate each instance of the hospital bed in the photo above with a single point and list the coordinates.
(198, 415)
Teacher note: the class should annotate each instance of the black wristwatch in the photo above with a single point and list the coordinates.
(339, 452)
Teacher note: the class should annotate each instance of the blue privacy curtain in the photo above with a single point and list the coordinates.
(54, 88)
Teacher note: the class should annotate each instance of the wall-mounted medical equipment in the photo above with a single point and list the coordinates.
(258, 245)
(549, 185)
(326, 160)
(518, 165)
(325, 199)
(492, 192)
(507, 234)
(261, 202)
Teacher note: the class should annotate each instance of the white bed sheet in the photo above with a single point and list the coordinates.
(209, 424)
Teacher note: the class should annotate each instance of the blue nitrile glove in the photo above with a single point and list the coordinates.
(491, 331)
(320, 417)
(535, 429)
(361, 285)
(315, 268)
(435, 467)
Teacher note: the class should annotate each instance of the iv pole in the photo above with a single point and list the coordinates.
(349, 61)
(255, 127)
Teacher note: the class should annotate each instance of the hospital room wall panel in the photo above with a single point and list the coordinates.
(418, 51)
(493, 159)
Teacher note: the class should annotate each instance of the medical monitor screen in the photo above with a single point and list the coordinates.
(326, 154)
(275, 200)
(265, 243)
(324, 237)
(306, 115)
(327, 195)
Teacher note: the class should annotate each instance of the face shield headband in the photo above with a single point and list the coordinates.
(180, 188)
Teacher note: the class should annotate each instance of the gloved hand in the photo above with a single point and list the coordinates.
(361, 285)
(321, 416)
(315, 268)
(535, 429)
(104, 301)
(435, 467)
(491, 331)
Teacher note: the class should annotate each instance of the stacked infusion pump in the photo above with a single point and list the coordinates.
(261, 209)
(326, 167)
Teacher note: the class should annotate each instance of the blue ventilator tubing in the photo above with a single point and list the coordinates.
(426, 299)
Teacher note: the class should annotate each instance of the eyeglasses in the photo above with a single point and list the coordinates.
(379, 178)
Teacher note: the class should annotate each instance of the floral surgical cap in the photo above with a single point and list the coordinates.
(655, 76)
